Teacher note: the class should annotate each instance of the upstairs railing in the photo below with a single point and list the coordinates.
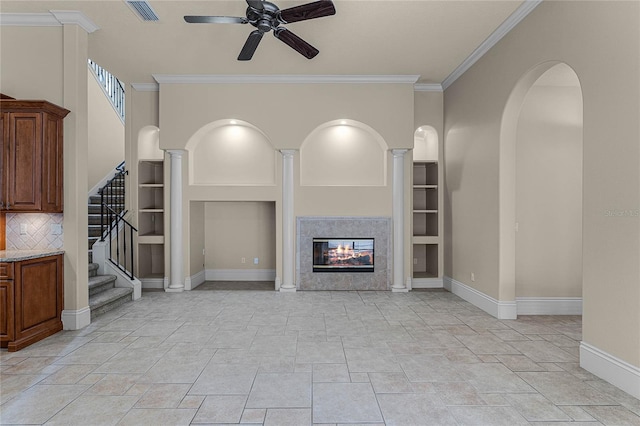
(111, 86)
(113, 225)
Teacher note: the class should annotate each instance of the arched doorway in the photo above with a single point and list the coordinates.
(541, 193)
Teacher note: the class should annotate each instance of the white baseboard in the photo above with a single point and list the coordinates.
(194, 280)
(614, 370)
(497, 308)
(152, 282)
(76, 319)
(549, 305)
(427, 283)
(240, 274)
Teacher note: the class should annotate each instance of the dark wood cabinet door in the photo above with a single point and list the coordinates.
(38, 305)
(52, 167)
(4, 132)
(7, 329)
(24, 162)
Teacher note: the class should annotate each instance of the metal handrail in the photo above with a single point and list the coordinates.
(117, 222)
(112, 211)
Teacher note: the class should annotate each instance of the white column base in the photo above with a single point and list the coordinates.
(399, 290)
(174, 290)
(287, 289)
(76, 319)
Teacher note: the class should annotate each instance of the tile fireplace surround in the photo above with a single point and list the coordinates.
(309, 227)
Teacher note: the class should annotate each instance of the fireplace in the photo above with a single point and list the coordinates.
(343, 254)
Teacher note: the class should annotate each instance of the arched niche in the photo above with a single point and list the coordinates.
(544, 74)
(149, 144)
(343, 153)
(425, 144)
(231, 152)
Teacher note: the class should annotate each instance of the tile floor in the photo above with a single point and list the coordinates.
(214, 356)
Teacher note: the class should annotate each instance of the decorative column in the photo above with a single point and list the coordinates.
(176, 279)
(287, 221)
(398, 220)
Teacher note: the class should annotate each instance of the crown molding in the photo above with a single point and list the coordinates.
(75, 17)
(55, 18)
(29, 20)
(146, 87)
(427, 87)
(514, 19)
(283, 79)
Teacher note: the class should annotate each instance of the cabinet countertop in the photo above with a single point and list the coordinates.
(18, 255)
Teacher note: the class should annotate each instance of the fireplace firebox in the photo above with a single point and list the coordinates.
(343, 254)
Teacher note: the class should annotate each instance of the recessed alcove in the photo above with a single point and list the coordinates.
(231, 152)
(343, 153)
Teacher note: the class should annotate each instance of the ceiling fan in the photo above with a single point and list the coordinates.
(266, 16)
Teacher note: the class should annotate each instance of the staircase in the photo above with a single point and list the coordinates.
(103, 294)
(114, 199)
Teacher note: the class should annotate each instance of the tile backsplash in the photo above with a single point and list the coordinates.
(34, 231)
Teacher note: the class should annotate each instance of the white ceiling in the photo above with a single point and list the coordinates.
(421, 37)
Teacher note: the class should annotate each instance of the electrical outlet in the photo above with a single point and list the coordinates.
(203, 252)
(23, 229)
(56, 229)
(256, 261)
(243, 260)
(473, 277)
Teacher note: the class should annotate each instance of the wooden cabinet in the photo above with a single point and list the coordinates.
(31, 156)
(6, 303)
(31, 300)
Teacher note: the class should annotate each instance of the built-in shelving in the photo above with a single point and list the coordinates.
(426, 229)
(151, 219)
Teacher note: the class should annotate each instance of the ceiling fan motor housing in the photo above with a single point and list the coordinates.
(266, 19)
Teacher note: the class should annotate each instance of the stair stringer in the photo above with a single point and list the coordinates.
(100, 249)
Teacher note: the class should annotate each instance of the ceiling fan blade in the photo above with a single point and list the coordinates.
(317, 9)
(256, 4)
(250, 45)
(295, 42)
(215, 20)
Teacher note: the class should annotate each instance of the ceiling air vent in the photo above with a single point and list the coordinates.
(144, 10)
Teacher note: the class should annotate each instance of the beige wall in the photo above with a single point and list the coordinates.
(236, 230)
(197, 237)
(293, 113)
(31, 63)
(50, 63)
(106, 134)
(608, 69)
(549, 192)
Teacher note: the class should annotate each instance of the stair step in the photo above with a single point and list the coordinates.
(93, 269)
(94, 219)
(108, 300)
(94, 231)
(117, 197)
(101, 283)
(97, 208)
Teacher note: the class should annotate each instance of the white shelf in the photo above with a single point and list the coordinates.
(425, 241)
(151, 219)
(151, 239)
